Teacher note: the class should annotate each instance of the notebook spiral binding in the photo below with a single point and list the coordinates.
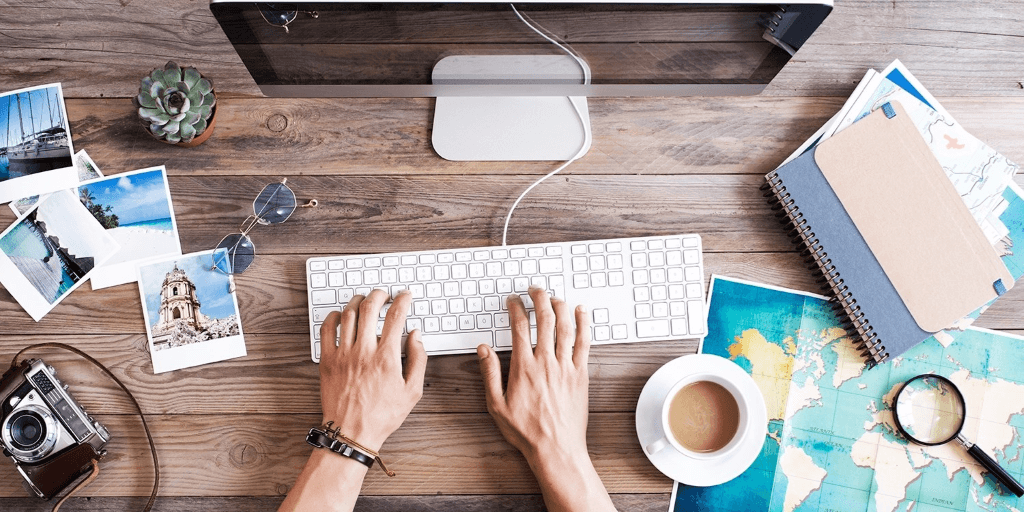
(827, 276)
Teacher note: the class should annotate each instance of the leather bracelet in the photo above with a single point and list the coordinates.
(321, 439)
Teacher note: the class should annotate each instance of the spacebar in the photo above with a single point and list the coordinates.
(456, 340)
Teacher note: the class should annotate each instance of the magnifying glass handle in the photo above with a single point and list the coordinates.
(993, 467)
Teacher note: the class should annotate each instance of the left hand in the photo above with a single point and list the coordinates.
(362, 389)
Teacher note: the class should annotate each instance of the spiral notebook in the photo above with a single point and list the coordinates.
(886, 229)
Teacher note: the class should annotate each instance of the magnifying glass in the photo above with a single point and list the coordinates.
(930, 410)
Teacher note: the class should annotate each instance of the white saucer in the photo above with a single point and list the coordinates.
(683, 468)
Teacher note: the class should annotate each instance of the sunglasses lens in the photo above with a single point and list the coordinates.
(274, 204)
(234, 253)
(279, 14)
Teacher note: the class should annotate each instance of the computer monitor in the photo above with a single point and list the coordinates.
(511, 79)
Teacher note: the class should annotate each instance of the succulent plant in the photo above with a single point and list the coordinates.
(176, 103)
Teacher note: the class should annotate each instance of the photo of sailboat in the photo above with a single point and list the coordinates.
(34, 132)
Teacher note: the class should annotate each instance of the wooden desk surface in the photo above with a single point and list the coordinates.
(230, 434)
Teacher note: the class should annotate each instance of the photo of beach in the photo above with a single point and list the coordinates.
(54, 247)
(135, 208)
(34, 132)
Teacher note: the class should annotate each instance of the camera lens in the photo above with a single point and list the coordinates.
(27, 430)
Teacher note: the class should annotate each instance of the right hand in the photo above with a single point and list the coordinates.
(545, 406)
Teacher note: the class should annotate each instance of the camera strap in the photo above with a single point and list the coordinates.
(145, 426)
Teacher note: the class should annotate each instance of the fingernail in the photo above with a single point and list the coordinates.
(481, 351)
(582, 308)
(534, 288)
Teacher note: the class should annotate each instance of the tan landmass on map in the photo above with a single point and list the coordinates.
(771, 368)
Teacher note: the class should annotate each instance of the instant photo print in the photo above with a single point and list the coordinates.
(87, 170)
(135, 208)
(50, 251)
(36, 154)
(191, 312)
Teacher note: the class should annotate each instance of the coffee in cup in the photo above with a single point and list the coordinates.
(703, 416)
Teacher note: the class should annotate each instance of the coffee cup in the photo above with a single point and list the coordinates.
(703, 416)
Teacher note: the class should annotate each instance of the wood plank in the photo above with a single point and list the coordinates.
(260, 455)
(737, 135)
(480, 503)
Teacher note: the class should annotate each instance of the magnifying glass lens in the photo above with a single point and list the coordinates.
(930, 410)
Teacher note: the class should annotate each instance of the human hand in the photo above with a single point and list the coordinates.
(362, 389)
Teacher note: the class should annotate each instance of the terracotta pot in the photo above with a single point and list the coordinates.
(197, 140)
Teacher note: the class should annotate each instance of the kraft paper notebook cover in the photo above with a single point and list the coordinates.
(885, 227)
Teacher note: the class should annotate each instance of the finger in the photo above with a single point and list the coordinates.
(581, 352)
(415, 361)
(369, 312)
(520, 323)
(394, 323)
(564, 327)
(490, 370)
(329, 335)
(349, 323)
(545, 321)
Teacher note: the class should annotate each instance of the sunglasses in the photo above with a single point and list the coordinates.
(274, 205)
(280, 15)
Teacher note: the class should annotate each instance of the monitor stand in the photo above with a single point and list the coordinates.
(504, 128)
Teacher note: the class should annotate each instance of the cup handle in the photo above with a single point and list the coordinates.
(657, 446)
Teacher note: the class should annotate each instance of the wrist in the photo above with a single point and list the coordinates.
(366, 435)
(553, 457)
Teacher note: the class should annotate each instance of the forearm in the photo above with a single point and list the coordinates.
(328, 482)
(569, 482)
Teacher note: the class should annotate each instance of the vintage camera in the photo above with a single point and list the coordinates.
(50, 438)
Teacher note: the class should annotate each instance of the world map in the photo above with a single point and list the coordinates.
(831, 443)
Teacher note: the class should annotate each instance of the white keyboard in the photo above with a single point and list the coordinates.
(636, 289)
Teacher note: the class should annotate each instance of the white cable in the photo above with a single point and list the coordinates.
(587, 135)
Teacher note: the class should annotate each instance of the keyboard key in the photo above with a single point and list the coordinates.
(659, 310)
(596, 248)
(656, 259)
(501, 320)
(384, 310)
(641, 294)
(493, 269)
(409, 259)
(492, 303)
(431, 324)
(580, 281)
(637, 245)
(345, 295)
(499, 254)
(658, 293)
(539, 281)
(320, 297)
(417, 290)
(690, 257)
(421, 308)
(459, 271)
(640, 277)
(597, 280)
(677, 309)
(451, 289)
(320, 314)
(518, 253)
(512, 268)
(354, 263)
(475, 304)
(316, 333)
(336, 265)
(372, 262)
(673, 243)
(481, 255)
(535, 252)
(476, 270)
(557, 286)
(438, 307)
(433, 290)
(600, 316)
(533, 318)
(483, 321)
(457, 341)
(692, 273)
(316, 351)
(441, 273)
(449, 323)
(529, 267)
(614, 261)
(364, 291)
(423, 274)
(463, 256)
(643, 310)
(406, 275)
(389, 276)
(655, 244)
(317, 266)
(579, 264)
(457, 305)
(317, 280)
(602, 333)
(579, 249)
(445, 257)
(619, 332)
(674, 258)
(527, 301)
(639, 259)
(426, 259)
(657, 275)
(676, 291)
(613, 247)
(553, 250)
(695, 315)
(391, 261)
(503, 339)
(353, 278)
(371, 277)
(486, 286)
(690, 241)
(675, 275)
(412, 324)
(467, 322)
(597, 262)
(380, 327)
(468, 288)
(504, 286)
(551, 266)
(652, 328)
(693, 290)
(678, 327)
